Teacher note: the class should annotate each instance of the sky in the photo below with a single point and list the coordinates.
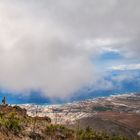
(63, 49)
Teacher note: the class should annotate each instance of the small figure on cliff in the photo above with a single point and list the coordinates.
(4, 101)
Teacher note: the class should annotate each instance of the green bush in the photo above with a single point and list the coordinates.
(1, 115)
(12, 123)
(90, 134)
(59, 132)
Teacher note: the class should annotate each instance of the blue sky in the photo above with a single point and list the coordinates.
(115, 82)
(121, 86)
(52, 51)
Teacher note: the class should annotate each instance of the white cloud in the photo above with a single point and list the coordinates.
(126, 67)
(48, 44)
(37, 53)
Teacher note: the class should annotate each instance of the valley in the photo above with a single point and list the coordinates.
(118, 115)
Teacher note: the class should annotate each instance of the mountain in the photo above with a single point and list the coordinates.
(116, 115)
(15, 124)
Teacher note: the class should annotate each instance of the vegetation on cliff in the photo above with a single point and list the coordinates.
(16, 124)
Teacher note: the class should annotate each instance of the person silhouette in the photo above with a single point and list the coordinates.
(4, 101)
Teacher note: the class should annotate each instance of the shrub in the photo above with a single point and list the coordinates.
(59, 132)
(90, 134)
(13, 124)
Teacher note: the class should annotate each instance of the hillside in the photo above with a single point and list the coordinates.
(116, 115)
(15, 124)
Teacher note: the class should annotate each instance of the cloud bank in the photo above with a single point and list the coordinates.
(48, 44)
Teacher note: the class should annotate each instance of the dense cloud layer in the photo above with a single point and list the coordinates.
(49, 44)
